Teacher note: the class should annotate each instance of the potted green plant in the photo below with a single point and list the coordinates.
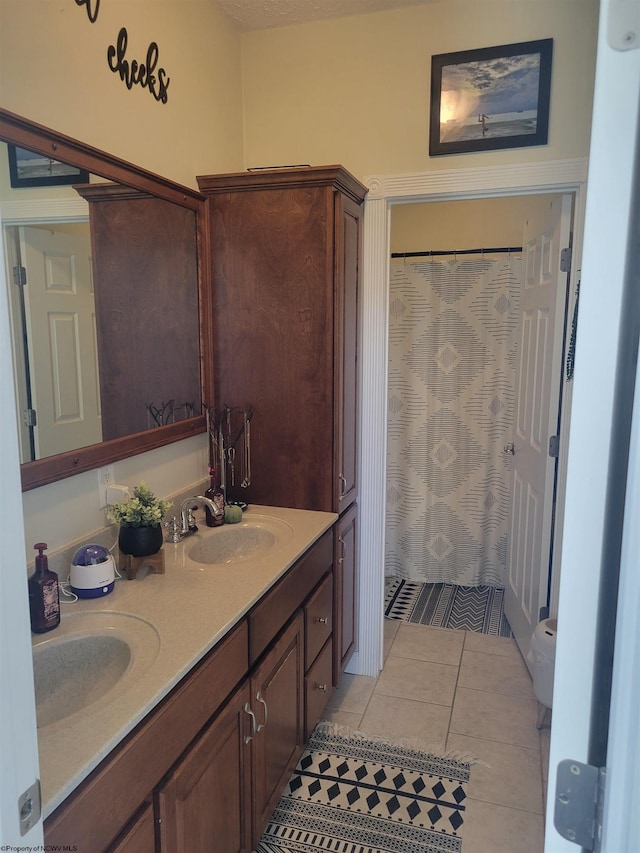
(139, 519)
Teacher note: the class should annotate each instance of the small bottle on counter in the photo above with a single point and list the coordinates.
(44, 594)
(216, 494)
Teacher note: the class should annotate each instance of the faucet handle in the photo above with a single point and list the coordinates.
(192, 527)
(173, 529)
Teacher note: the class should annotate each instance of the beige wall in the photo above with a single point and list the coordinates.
(53, 70)
(355, 90)
(351, 91)
(475, 224)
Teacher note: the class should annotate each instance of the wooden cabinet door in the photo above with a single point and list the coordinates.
(286, 248)
(204, 805)
(277, 700)
(273, 317)
(347, 241)
(139, 835)
(345, 620)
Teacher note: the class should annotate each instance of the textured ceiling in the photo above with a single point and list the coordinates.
(262, 14)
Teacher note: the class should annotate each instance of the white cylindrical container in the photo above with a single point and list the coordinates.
(542, 657)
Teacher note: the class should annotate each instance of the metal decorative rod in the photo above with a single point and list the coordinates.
(502, 250)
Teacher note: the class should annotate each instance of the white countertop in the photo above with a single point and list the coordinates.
(191, 607)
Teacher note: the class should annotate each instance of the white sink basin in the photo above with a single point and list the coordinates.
(250, 539)
(89, 660)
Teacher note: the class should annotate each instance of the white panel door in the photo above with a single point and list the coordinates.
(61, 339)
(537, 402)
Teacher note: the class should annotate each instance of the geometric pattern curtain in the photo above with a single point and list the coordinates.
(452, 358)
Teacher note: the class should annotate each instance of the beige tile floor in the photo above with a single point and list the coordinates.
(469, 693)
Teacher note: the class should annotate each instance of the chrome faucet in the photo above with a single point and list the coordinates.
(187, 524)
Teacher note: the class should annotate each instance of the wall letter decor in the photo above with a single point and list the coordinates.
(132, 73)
(138, 74)
(93, 7)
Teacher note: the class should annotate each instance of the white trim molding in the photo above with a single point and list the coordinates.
(45, 210)
(384, 192)
(518, 179)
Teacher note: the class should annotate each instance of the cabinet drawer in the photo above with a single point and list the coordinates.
(275, 609)
(318, 620)
(318, 688)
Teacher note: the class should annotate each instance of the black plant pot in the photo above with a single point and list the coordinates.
(140, 541)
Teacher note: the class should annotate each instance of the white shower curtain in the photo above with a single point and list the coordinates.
(452, 355)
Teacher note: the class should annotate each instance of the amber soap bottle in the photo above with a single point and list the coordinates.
(44, 594)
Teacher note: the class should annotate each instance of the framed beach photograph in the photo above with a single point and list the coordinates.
(29, 169)
(493, 97)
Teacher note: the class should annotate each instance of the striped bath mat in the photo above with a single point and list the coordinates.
(446, 605)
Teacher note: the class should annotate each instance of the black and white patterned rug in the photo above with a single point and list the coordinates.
(353, 794)
(446, 605)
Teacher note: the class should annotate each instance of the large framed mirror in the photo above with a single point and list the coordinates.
(109, 296)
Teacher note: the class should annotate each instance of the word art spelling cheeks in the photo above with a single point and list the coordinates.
(92, 8)
(134, 74)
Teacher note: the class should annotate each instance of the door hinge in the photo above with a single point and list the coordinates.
(565, 260)
(554, 446)
(579, 803)
(20, 276)
(29, 806)
(30, 418)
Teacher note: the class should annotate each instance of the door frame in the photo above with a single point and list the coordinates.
(18, 735)
(385, 191)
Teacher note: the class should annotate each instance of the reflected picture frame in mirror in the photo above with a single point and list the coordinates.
(27, 169)
(140, 184)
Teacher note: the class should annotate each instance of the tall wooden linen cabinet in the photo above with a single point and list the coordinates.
(286, 257)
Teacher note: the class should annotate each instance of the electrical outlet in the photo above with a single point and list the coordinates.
(116, 493)
(106, 478)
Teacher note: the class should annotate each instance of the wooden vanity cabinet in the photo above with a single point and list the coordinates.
(228, 783)
(265, 730)
(204, 771)
(280, 692)
(286, 259)
(318, 681)
(277, 701)
(205, 803)
(285, 253)
(100, 809)
(139, 835)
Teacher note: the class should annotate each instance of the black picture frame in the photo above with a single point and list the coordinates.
(30, 169)
(490, 98)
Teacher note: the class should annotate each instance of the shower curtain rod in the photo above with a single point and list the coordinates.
(433, 254)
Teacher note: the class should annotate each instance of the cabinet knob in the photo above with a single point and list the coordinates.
(321, 687)
(323, 620)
